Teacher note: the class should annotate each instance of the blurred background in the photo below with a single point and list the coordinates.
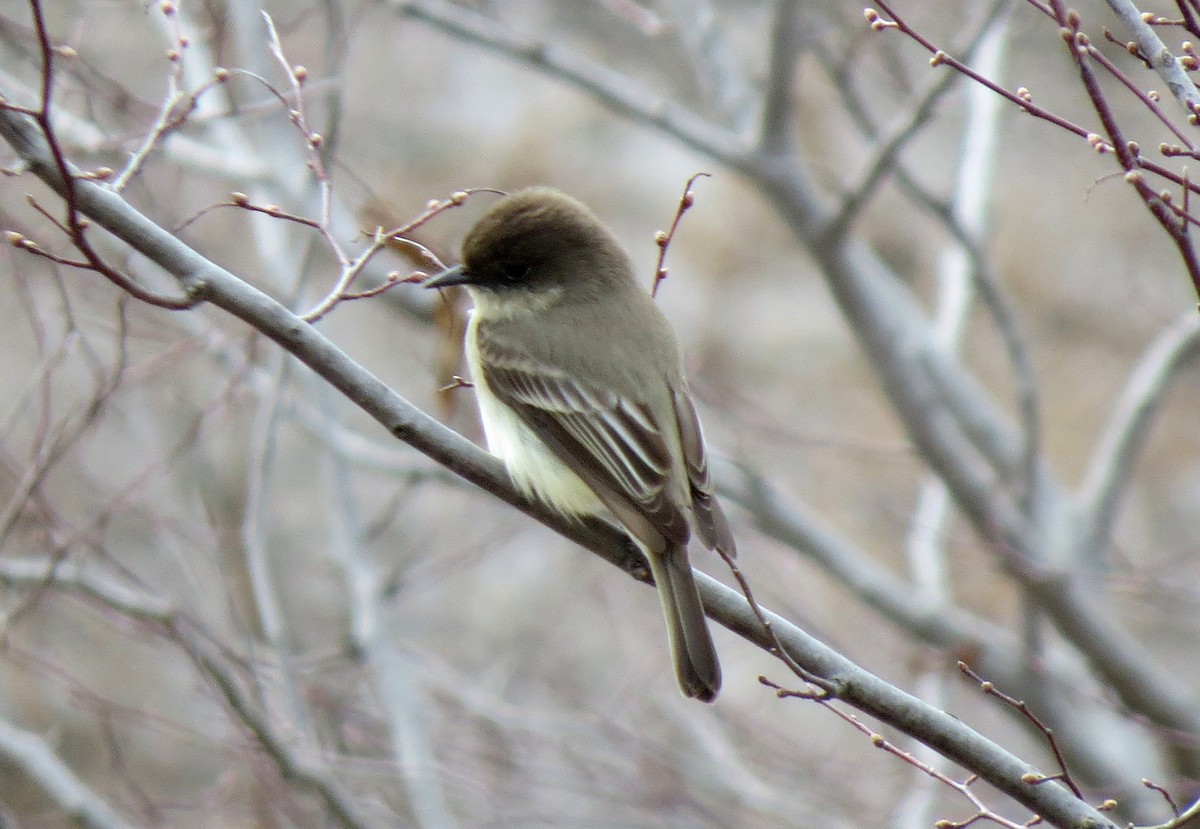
(440, 658)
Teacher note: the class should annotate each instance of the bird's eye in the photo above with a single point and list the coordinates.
(514, 274)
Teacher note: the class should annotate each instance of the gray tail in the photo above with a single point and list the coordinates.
(696, 665)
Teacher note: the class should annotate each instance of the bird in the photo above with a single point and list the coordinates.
(581, 392)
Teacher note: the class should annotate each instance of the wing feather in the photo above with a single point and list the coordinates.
(711, 524)
(611, 442)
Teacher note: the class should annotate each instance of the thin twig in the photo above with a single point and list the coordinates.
(67, 176)
(663, 240)
(827, 689)
(1023, 709)
(963, 787)
(353, 267)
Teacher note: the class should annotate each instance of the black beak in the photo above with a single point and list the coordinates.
(451, 276)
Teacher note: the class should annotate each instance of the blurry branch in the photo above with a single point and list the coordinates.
(55, 437)
(613, 88)
(291, 765)
(36, 572)
(1036, 553)
(202, 280)
(272, 623)
(788, 521)
(999, 305)
(776, 132)
(82, 806)
(713, 60)
(926, 539)
(137, 604)
(404, 706)
(887, 147)
(996, 473)
(1118, 658)
(1111, 470)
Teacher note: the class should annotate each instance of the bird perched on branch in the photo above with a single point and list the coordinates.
(582, 395)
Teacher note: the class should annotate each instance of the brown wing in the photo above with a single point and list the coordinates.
(711, 525)
(612, 443)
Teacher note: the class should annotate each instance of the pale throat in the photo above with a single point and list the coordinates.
(509, 304)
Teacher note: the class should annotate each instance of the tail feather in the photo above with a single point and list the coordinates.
(695, 657)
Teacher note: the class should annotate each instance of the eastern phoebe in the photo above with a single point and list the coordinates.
(582, 395)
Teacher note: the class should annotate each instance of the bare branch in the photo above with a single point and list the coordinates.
(713, 61)
(1160, 57)
(79, 803)
(611, 88)
(136, 604)
(663, 239)
(887, 147)
(1110, 472)
(221, 288)
(776, 135)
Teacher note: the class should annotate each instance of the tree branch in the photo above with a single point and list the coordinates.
(78, 802)
(611, 88)
(1111, 469)
(1164, 63)
(777, 132)
(208, 282)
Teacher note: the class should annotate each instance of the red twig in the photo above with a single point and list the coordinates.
(663, 239)
(1127, 153)
(1023, 709)
(74, 224)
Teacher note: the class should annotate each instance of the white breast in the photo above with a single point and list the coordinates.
(534, 469)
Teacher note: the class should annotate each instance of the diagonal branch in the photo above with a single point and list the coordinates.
(1161, 59)
(941, 399)
(610, 88)
(208, 282)
(1111, 470)
(887, 147)
(79, 803)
